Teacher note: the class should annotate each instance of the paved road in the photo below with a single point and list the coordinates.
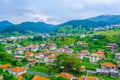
(38, 73)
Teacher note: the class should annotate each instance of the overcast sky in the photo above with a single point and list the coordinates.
(55, 11)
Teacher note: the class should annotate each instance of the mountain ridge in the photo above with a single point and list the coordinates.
(41, 27)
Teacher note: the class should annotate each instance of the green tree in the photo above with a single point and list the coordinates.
(8, 76)
(68, 62)
(58, 78)
(6, 57)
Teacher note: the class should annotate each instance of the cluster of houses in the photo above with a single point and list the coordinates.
(46, 52)
(107, 27)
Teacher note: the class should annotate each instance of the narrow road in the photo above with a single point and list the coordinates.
(38, 73)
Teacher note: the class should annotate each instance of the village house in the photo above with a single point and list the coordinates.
(35, 48)
(88, 78)
(31, 60)
(46, 51)
(5, 66)
(80, 56)
(49, 58)
(82, 35)
(28, 47)
(97, 56)
(108, 68)
(42, 45)
(19, 51)
(65, 46)
(82, 68)
(39, 55)
(68, 76)
(29, 54)
(79, 43)
(39, 78)
(54, 53)
(69, 50)
(61, 50)
(72, 44)
(18, 71)
(112, 46)
(52, 48)
(84, 52)
(118, 65)
(117, 56)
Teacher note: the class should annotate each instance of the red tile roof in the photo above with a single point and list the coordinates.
(88, 78)
(18, 69)
(108, 64)
(5, 66)
(39, 78)
(66, 75)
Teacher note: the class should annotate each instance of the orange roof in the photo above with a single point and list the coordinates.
(110, 46)
(88, 78)
(61, 49)
(31, 60)
(35, 46)
(82, 67)
(98, 55)
(108, 64)
(39, 78)
(20, 77)
(117, 54)
(29, 53)
(84, 51)
(66, 75)
(18, 69)
(40, 53)
(18, 49)
(79, 54)
(5, 66)
(50, 57)
(54, 52)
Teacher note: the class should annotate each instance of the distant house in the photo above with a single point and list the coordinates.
(46, 51)
(5, 66)
(72, 44)
(79, 43)
(43, 45)
(112, 47)
(18, 71)
(32, 47)
(108, 66)
(52, 48)
(29, 54)
(49, 58)
(18, 51)
(67, 75)
(84, 52)
(28, 47)
(88, 78)
(117, 56)
(97, 56)
(65, 46)
(31, 60)
(54, 53)
(39, 78)
(61, 50)
(82, 36)
(39, 55)
(35, 48)
(69, 50)
(80, 56)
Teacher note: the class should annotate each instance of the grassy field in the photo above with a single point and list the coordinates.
(108, 32)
